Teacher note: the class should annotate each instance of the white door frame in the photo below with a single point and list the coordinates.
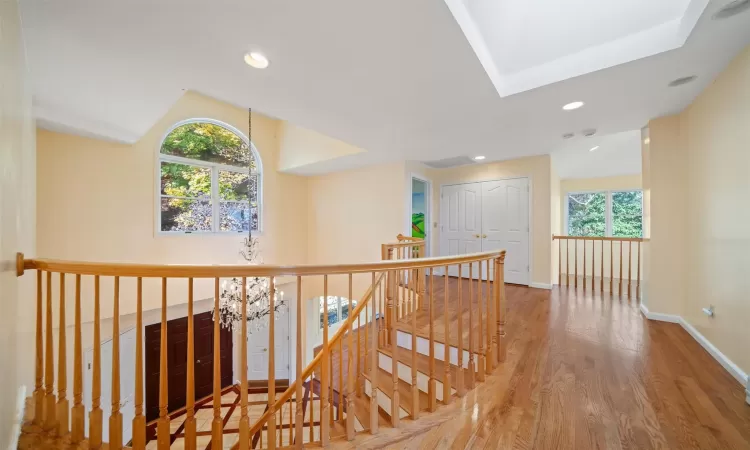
(428, 209)
(531, 215)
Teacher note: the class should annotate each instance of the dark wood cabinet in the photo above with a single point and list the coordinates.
(177, 361)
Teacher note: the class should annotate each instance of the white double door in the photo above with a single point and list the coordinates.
(258, 349)
(486, 216)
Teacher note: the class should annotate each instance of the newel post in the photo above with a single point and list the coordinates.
(500, 305)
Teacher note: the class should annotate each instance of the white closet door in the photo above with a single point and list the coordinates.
(505, 223)
(461, 221)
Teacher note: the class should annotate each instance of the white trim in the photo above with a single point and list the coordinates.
(428, 231)
(671, 318)
(215, 167)
(541, 286)
(530, 184)
(727, 363)
(720, 357)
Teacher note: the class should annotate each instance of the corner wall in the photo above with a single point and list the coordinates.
(700, 238)
(17, 222)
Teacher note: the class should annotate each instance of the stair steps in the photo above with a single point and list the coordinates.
(406, 395)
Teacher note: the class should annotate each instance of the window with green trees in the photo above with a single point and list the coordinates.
(209, 180)
(608, 213)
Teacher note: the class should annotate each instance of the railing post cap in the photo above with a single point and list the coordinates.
(19, 264)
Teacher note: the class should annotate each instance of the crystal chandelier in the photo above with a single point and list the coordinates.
(258, 289)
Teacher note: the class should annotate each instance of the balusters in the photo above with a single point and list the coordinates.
(395, 419)
(481, 359)
(95, 416)
(446, 345)
(414, 387)
(360, 359)
(620, 284)
(630, 265)
(501, 308)
(575, 262)
(374, 371)
(39, 391)
(490, 359)
(244, 435)
(299, 420)
(325, 424)
(567, 263)
(584, 265)
(432, 386)
(291, 428)
(115, 419)
(62, 373)
(601, 273)
(349, 366)
(77, 419)
(559, 262)
(593, 266)
(339, 409)
(217, 437)
(472, 371)
(611, 267)
(162, 426)
(310, 407)
(638, 274)
(271, 361)
(460, 338)
(139, 421)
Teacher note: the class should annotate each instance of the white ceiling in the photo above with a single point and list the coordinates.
(618, 154)
(397, 78)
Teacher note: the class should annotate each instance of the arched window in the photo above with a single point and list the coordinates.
(209, 180)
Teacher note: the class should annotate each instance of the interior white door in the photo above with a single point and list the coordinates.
(460, 220)
(257, 351)
(505, 225)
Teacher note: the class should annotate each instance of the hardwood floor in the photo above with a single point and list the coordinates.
(583, 371)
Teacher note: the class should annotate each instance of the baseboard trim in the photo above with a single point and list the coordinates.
(720, 357)
(671, 318)
(541, 286)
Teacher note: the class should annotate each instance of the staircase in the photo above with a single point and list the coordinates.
(415, 341)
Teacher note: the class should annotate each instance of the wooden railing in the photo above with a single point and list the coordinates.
(334, 378)
(600, 263)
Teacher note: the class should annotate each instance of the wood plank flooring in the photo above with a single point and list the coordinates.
(584, 371)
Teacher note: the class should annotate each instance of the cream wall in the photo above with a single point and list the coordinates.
(699, 216)
(300, 147)
(538, 169)
(17, 217)
(96, 202)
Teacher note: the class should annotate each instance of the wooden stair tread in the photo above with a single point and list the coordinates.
(423, 366)
(385, 385)
(362, 412)
(404, 324)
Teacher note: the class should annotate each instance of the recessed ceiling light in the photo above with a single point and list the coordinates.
(594, 148)
(589, 132)
(567, 135)
(257, 60)
(682, 80)
(572, 106)
(478, 158)
(731, 9)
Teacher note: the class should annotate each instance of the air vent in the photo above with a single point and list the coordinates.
(449, 162)
(682, 80)
(588, 133)
(568, 135)
(732, 9)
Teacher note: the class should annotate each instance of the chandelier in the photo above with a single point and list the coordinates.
(257, 289)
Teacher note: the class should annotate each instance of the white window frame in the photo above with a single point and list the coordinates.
(607, 210)
(215, 169)
(337, 325)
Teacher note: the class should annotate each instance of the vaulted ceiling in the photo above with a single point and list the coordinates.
(417, 79)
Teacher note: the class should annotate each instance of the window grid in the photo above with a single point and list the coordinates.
(608, 215)
(215, 200)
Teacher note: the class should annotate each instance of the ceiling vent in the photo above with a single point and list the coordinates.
(682, 80)
(731, 9)
(568, 135)
(446, 163)
(588, 133)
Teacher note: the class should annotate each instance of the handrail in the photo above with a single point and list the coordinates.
(599, 238)
(401, 238)
(258, 425)
(243, 270)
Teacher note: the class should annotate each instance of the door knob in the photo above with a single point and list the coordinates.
(484, 236)
(199, 361)
(265, 349)
(476, 236)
